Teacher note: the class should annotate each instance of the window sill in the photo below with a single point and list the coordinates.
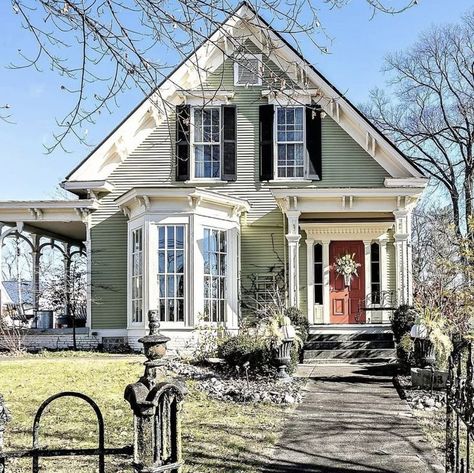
(206, 181)
(289, 181)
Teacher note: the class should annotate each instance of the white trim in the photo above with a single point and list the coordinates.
(346, 231)
(415, 182)
(258, 57)
(310, 278)
(326, 285)
(94, 186)
(368, 275)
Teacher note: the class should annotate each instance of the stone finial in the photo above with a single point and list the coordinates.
(154, 343)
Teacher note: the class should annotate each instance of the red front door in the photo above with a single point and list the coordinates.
(345, 299)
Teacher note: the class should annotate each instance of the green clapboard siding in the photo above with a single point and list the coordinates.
(152, 164)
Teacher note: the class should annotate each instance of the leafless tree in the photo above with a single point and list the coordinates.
(429, 110)
(101, 48)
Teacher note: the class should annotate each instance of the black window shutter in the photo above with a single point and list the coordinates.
(183, 147)
(266, 142)
(313, 142)
(229, 143)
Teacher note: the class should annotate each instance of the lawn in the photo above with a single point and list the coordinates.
(217, 436)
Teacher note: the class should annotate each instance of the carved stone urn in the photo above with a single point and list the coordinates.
(283, 359)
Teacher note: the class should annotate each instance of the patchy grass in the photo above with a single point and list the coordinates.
(433, 424)
(217, 436)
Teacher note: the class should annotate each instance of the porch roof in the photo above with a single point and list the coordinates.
(60, 219)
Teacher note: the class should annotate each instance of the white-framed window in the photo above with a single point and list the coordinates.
(290, 144)
(318, 273)
(171, 272)
(137, 275)
(215, 274)
(375, 284)
(248, 69)
(206, 142)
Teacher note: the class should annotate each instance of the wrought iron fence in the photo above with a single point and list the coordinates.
(460, 413)
(157, 420)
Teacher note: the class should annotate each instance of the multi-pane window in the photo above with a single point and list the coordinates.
(290, 142)
(318, 274)
(207, 132)
(375, 272)
(137, 275)
(171, 272)
(215, 271)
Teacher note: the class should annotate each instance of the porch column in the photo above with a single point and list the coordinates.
(383, 273)
(293, 237)
(326, 288)
(402, 262)
(368, 278)
(36, 255)
(310, 278)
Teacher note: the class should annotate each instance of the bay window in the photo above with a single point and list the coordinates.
(171, 272)
(206, 142)
(215, 274)
(290, 142)
(137, 275)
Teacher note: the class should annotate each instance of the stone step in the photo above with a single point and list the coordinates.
(347, 344)
(383, 353)
(347, 361)
(355, 336)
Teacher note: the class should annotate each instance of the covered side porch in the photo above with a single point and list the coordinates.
(368, 229)
(57, 229)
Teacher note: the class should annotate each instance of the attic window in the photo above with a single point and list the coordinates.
(247, 70)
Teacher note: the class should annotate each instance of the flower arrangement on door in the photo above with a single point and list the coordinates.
(347, 267)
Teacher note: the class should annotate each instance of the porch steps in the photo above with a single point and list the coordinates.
(349, 345)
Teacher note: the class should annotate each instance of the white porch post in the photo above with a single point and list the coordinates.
(383, 273)
(293, 237)
(326, 288)
(403, 265)
(310, 278)
(368, 278)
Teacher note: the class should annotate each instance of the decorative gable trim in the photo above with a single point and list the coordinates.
(209, 56)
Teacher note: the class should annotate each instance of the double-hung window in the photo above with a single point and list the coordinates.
(290, 142)
(215, 274)
(207, 145)
(137, 275)
(171, 272)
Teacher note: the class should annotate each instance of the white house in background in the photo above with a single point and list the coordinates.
(253, 169)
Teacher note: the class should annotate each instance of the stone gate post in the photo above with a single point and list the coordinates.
(156, 410)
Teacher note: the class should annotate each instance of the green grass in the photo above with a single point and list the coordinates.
(217, 436)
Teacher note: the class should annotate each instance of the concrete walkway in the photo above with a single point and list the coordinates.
(352, 420)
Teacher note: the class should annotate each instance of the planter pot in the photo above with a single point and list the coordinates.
(288, 331)
(283, 359)
(419, 331)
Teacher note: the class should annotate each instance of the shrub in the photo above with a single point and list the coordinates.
(248, 347)
(402, 321)
(299, 321)
(405, 353)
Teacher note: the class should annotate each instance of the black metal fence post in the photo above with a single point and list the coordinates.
(156, 409)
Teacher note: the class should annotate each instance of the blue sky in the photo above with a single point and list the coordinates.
(353, 65)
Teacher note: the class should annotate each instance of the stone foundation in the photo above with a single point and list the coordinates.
(55, 339)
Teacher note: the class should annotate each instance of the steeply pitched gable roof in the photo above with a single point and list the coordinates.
(353, 120)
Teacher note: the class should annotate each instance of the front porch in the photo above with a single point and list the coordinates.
(371, 227)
